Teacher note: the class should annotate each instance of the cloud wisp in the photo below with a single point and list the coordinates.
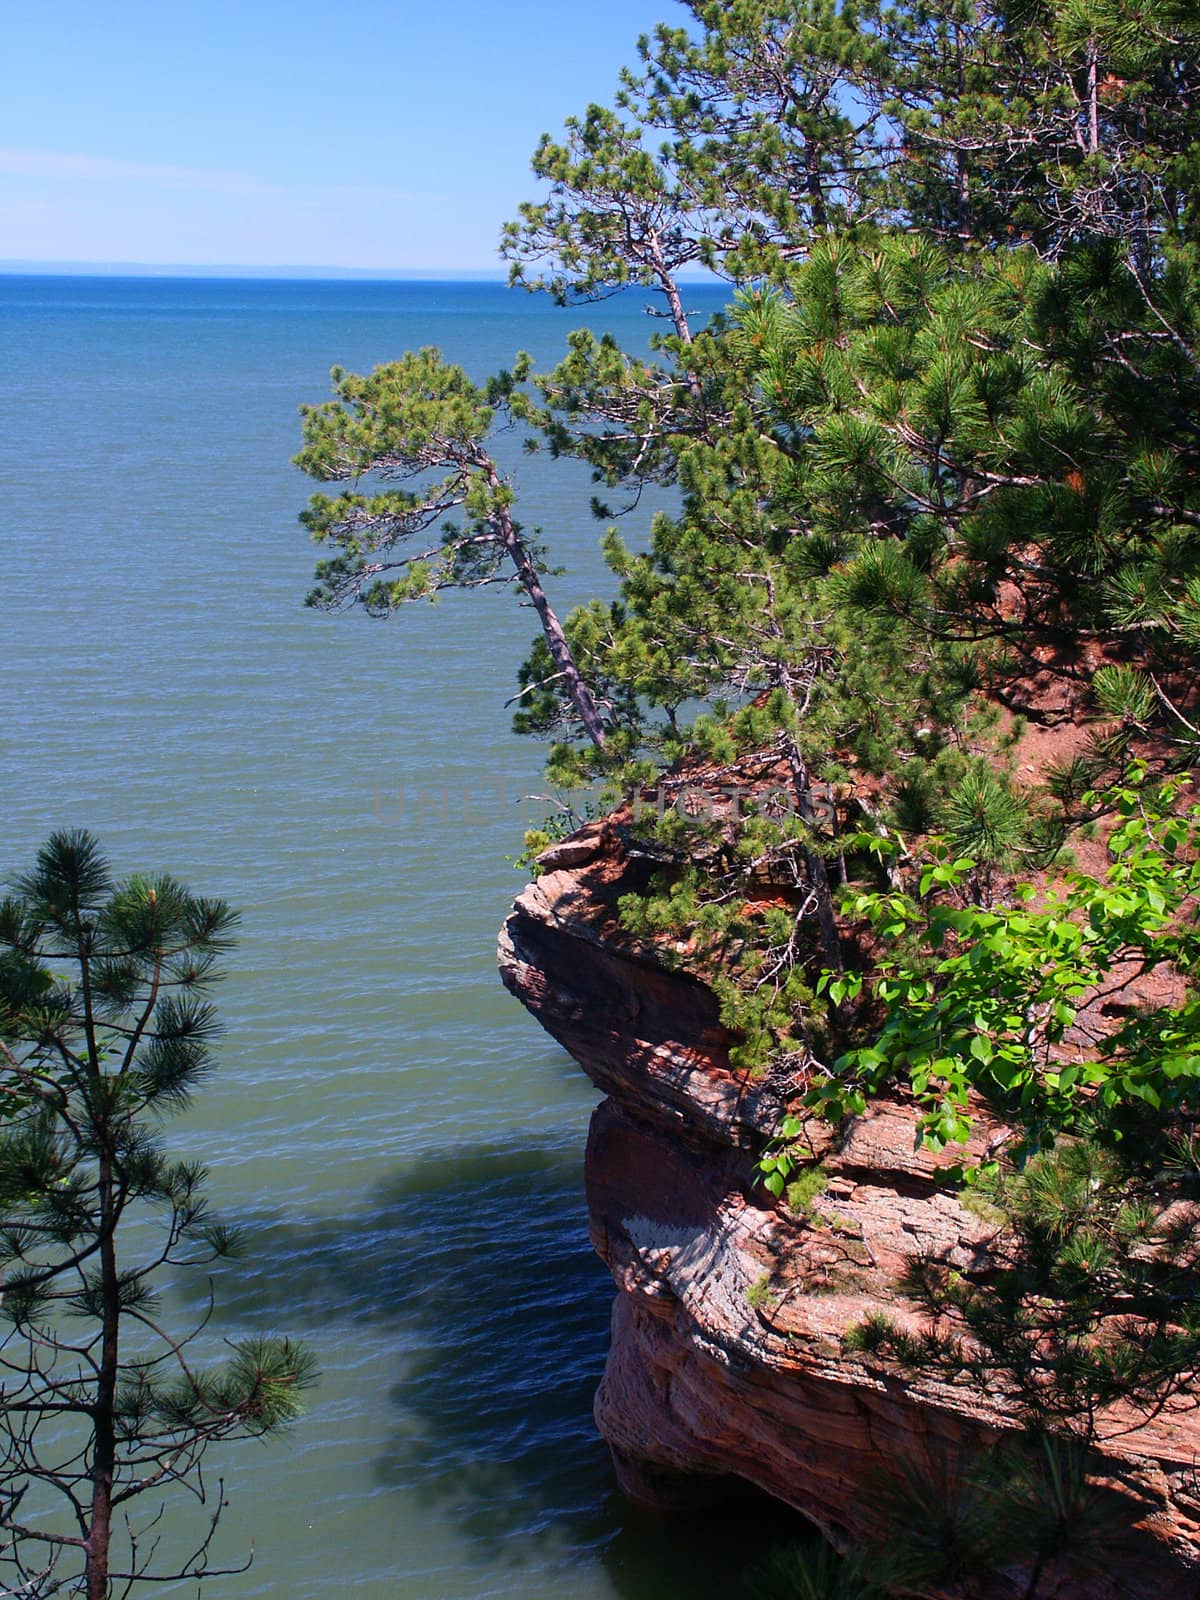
(54, 165)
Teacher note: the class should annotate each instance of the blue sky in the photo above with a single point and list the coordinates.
(290, 132)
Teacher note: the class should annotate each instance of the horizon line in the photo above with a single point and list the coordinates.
(17, 268)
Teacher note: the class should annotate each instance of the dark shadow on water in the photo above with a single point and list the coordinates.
(478, 1267)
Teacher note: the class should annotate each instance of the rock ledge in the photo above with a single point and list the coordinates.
(727, 1357)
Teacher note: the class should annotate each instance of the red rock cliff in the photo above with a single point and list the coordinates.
(727, 1357)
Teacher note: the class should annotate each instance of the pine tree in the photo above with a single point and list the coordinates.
(104, 1033)
(417, 416)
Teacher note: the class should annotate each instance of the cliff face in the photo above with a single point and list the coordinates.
(727, 1357)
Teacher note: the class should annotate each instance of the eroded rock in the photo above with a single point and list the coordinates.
(728, 1357)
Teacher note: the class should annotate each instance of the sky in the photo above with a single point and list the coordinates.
(373, 136)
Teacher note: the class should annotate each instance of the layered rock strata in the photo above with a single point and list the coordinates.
(728, 1358)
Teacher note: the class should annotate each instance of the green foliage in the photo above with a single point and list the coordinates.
(406, 420)
(788, 1168)
(707, 908)
(617, 212)
(980, 999)
(950, 1520)
(803, 1190)
(555, 827)
(1081, 1313)
(760, 1296)
(106, 1032)
(983, 818)
(945, 1521)
(409, 420)
(813, 1571)
(1088, 1300)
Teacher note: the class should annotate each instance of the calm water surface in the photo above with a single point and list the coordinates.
(401, 1142)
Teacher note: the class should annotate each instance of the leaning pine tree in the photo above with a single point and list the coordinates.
(104, 1033)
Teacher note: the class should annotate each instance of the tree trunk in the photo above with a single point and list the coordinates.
(963, 197)
(581, 695)
(678, 315)
(671, 290)
(818, 875)
(103, 1430)
(1035, 1579)
(814, 185)
(962, 171)
(1093, 98)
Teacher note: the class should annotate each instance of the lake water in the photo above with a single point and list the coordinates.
(402, 1144)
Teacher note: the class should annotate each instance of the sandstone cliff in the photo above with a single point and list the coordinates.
(727, 1357)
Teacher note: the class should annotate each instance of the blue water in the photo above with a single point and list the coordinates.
(401, 1142)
